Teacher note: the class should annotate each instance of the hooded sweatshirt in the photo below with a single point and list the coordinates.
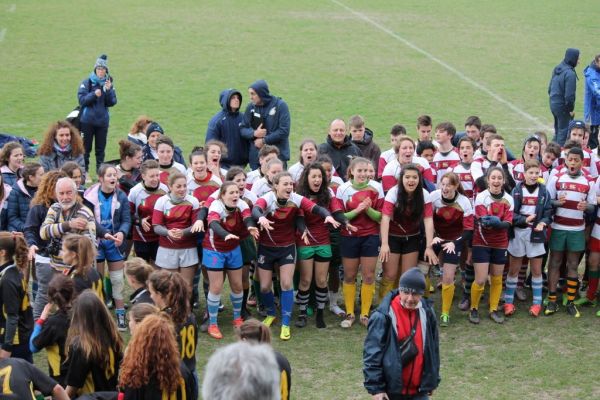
(225, 126)
(368, 148)
(591, 101)
(563, 83)
(274, 115)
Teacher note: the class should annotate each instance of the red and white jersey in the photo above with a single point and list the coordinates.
(403, 224)
(517, 169)
(595, 161)
(282, 218)
(465, 176)
(231, 221)
(181, 215)
(318, 230)
(165, 172)
(596, 229)
(261, 187)
(252, 177)
(141, 204)
(335, 183)
(391, 173)
(486, 204)
(351, 197)
(385, 158)
(202, 189)
(587, 161)
(576, 189)
(478, 155)
(562, 169)
(296, 171)
(529, 202)
(479, 167)
(443, 162)
(451, 219)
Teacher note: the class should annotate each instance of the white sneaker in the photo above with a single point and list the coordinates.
(334, 308)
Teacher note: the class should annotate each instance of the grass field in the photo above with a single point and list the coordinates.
(387, 60)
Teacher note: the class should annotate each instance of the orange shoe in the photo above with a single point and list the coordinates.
(237, 322)
(214, 331)
(535, 310)
(509, 309)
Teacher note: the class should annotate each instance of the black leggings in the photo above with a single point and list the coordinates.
(100, 133)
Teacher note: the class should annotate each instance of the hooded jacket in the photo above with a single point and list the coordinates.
(369, 148)
(340, 155)
(591, 100)
(94, 110)
(563, 83)
(225, 126)
(275, 118)
(381, 355)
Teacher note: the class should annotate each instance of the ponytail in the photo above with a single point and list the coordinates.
(16, 248)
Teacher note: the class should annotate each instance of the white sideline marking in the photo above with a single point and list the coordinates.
(2, 34)
(12, 8)
(443, 64)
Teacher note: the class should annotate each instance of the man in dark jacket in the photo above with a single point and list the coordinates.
(225, 126)
(402, 315)
(591, 102)
(339, 147)
(362, 137)
(266, 121)
(561, 90)
(96, 93)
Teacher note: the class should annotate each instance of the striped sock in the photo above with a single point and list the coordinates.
(495, 292)
(511, 286)
(469, 278)
(536, 286)
(447, 296)
(571, 288)
(476, 292)
(236, 301)
(523, 272)
(268, 301)
(213, 301)
(593, 277)
(287, 303)
(551, 297)
(302, 300)
(195, 284)
(321, 294)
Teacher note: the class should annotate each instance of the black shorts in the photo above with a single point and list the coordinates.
(450, 258)
(269, 257)
(404, 244)
(146, 250)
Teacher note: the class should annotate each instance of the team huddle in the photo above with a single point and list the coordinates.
(173, 227)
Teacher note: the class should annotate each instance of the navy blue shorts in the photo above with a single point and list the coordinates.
(360, 246)
(108, 251)
(489, 255)
(269, 257)
(450, 258)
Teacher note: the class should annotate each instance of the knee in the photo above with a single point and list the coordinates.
(117, 281)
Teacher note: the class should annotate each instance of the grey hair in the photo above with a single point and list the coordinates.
(65, 179)
(242, 371)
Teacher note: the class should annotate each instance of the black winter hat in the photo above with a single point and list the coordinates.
(412, 281)
(154, 127)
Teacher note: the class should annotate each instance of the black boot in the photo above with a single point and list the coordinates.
(319, 319)
(302, 319)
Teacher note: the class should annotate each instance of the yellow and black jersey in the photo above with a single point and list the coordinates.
(18, 380)
(285, 382)
(88, 375)
(16, 318)
(52, 336)
(151, 391)
(187, 339)
(91, 280)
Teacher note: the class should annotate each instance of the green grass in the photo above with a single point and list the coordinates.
(170, 60)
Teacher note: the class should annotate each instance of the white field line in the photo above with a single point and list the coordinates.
(2, 34)
(12, 8)
(445, 65)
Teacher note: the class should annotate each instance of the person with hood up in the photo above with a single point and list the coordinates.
(591, 100)
(96, 94)
(561, 90)
(225, 125)
(392, 371)
(362, 137)
(266, 121)
(339, 147)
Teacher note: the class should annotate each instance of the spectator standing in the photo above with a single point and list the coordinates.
(225, 126)
(266, 121)
(362, 137)
(96, 94)
(339, 147)
(561, 90)
(591, 101)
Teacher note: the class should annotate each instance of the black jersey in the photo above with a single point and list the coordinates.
(187, 339)
(141, 295)
(285, 369)
(152, 391)
(14, 303)
(52, 337)
(88, 375)
(18, 379)
(91, 280)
